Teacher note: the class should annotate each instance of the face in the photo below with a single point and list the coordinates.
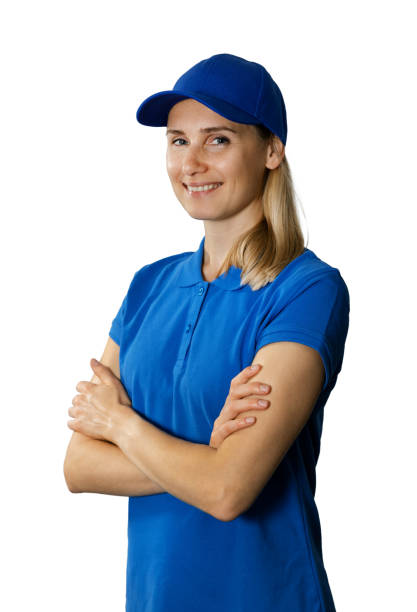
(216, 166)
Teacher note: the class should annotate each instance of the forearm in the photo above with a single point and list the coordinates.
(186, 470)
(96, 466)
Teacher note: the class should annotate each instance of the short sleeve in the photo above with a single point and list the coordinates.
(317, 315)
(117, 324)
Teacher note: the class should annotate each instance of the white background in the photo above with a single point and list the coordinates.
(86, 202)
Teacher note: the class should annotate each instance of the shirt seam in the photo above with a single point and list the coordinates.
(298, 330)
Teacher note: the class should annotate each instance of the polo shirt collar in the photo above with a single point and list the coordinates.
(190, 272)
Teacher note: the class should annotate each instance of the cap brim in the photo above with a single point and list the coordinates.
(155, 109)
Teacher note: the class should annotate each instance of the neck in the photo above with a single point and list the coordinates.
(220, 237)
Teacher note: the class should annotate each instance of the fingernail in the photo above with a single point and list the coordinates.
(264, 387)
(250, 420)
(95, 362)
(262, 403)
(255, 366)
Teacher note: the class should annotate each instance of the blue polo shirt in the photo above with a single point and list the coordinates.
(182, 340)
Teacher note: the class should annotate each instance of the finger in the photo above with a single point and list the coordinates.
(72, 425)
(234, 407)
(244, 376)
(103, 372)
(220, 434)
(252, 403)
(109, 378)
(85, 386)
(243, 390)
(246, 373)
(76, 411)
(79, 399)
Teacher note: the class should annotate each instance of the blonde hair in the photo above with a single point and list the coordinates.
(265, 249)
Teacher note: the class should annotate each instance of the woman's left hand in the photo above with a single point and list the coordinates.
(96, 411)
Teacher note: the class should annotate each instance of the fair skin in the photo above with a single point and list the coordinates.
(199, 157)
(95, 465)
(224, 480)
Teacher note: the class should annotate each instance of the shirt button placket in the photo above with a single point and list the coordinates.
(197, 300)
(195, 310)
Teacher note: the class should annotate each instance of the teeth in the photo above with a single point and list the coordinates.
(204, 187)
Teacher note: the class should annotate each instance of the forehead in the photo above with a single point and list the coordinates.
(190, 114)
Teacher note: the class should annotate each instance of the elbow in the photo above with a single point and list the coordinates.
(69, 475)
(230, 513)
(225, 516)
(217, 508)
(231, 499)
(227, 508)
(75, 462)
(69, 481)
(227, 513)
(234, 503)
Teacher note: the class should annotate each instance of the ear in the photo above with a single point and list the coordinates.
(275, 153)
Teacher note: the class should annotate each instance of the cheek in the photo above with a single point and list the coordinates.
(244, 174)
(254, 170)
(171, 166)
(232, 170)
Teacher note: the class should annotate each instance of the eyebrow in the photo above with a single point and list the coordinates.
(218, 128)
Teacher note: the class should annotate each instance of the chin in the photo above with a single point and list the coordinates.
(198, 215)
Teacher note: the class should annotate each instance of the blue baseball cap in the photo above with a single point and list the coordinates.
(233, 87)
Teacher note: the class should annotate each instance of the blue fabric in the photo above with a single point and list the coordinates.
(181, 341)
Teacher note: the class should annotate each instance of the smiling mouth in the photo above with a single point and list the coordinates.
(202, 188)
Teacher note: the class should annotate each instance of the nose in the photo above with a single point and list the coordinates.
(193, 161)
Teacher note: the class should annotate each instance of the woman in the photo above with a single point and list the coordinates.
(221, 511)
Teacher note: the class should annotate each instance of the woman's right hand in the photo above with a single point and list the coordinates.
(236, 402)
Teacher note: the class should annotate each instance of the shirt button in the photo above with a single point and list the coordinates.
(201, 291)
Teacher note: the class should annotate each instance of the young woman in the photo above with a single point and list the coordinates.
(221, 510)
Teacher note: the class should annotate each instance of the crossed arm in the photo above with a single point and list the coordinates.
(98, 466)
(226, 481)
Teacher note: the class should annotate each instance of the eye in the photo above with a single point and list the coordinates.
(225, 140)
(176, 140)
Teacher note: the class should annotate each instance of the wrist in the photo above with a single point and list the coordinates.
(128, 429)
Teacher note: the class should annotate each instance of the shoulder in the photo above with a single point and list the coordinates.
(308, 303)
(305, 271)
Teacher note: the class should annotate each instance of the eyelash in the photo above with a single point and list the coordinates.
(215, 138)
